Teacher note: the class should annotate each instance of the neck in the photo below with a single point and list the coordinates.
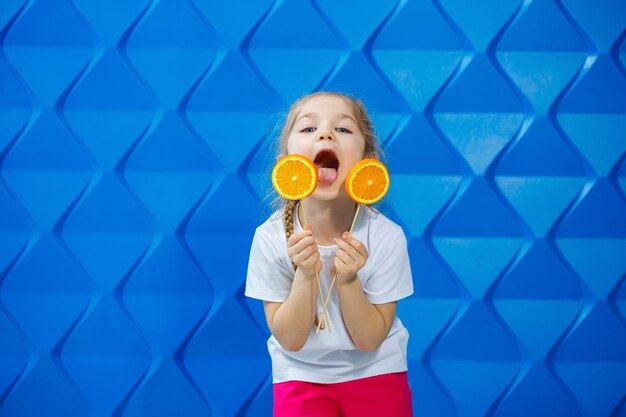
(328, 219)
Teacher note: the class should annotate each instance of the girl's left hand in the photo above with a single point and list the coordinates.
(350, 258)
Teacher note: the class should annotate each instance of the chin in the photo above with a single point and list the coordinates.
(330, 192)
(325, 195)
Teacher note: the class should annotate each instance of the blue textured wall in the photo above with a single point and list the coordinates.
(135, 142)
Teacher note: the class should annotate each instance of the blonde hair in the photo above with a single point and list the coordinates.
(364, 124)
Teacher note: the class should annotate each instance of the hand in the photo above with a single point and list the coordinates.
(302, 250)
(350, 258)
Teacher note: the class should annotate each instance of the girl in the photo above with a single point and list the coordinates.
(359, 368)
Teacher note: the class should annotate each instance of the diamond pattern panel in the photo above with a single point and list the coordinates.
(136, 140)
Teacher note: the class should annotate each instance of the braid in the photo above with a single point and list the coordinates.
(288, 216)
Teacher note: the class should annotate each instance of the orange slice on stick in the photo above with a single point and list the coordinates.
(294, 177)
(367, 181)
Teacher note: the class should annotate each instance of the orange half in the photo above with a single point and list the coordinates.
(294, 177)
(367, 181)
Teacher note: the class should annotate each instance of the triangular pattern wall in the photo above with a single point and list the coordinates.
(136, 140)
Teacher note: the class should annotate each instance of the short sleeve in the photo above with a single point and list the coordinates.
(267, 277)
(391, 279)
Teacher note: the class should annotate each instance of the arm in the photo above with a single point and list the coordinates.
(291, 320)
(368, 324)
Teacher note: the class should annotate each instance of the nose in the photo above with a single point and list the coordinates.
(326, 134)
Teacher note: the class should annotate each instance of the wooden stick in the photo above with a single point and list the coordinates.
(325, 303)
(319, 284)
(358, 206)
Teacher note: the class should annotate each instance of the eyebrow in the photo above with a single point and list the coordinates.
(349, 117)
(344, 116)
(306, 115)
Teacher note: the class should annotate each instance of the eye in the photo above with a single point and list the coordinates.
(343, 130)
(308, 130)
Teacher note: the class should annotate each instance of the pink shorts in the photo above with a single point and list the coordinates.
(382, 395)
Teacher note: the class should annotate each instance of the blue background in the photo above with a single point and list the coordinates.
(136, 139)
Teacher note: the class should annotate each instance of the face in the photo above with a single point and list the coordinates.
(326, 132)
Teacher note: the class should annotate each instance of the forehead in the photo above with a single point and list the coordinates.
(326, 106)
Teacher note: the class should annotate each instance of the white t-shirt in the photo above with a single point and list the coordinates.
(330, 357)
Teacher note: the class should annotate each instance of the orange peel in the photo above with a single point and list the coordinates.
(367, 181)
(294, 177)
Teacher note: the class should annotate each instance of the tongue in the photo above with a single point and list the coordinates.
(326, 176)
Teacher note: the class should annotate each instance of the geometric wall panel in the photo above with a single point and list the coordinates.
(136, 141)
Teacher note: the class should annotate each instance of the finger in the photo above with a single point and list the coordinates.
(344, 257)
(302, 244)
(301, 256)
(312, 259)
(340, 265)
(296, 237)
(355, 243)
(348, 249)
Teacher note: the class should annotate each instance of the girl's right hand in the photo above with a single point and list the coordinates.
(302, 250)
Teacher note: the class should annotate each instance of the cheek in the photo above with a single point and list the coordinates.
(357, 150)
(297, 145)
(290, 146)
(359, 146)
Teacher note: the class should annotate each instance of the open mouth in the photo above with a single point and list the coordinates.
(327, 166)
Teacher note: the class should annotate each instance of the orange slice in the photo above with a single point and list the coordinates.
(367, 181)
(294, 177)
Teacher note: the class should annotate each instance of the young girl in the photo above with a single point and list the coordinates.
(359, 367)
